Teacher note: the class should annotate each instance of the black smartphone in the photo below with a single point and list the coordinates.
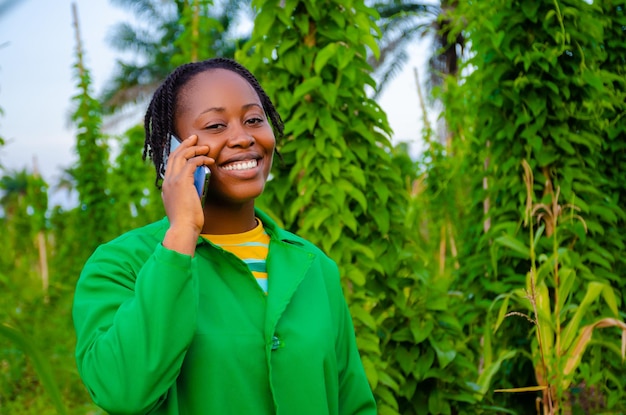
(201, 176)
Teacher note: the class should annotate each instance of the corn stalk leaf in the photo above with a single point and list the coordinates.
(594, 290)
(485, 377)
(502, 312)
(575, 354)
(609, 297)
(524, 389)
(544, 317)
(568, 277)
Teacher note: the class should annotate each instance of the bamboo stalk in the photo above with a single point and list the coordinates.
(79, 44)
(442, 249)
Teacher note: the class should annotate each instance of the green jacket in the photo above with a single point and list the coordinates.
(159, 332)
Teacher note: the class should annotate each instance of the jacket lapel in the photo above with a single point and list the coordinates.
(288, 263)
(287, 266)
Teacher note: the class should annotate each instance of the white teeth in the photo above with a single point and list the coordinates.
(241, 165)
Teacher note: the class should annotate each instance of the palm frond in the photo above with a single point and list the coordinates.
(391, 70)
(389, 10)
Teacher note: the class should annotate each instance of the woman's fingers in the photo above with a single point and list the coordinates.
(188, 148)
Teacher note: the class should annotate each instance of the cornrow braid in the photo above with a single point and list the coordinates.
(159, 118)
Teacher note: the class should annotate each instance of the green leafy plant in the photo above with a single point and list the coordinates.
(552, 303)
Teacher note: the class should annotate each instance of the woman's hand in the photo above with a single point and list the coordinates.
(180, 198)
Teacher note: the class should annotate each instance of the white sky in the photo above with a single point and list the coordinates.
(37, 43)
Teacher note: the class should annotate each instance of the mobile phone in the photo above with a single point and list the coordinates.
(201, 176)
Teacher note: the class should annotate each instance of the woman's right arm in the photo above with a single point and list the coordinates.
(135, 306)
(135, 311)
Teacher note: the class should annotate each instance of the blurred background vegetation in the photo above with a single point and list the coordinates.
(485, 276)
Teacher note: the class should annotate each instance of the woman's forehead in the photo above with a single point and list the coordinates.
(216, 84)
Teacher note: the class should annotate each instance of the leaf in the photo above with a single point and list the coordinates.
(609, 297)
(386, 380)
(338, 17)
(264, 20)
(330, 92)
(595, 258)
(330, 125)
(484, 379)
(402, 335)
(574, 355)
(324, 55)
(302, 23)
(344, 56)
(388, 397)
(407, 358)
(370, 371)
(594, 289)
(358, 313)
(369, 40)
(514, 244)
(539, 234)
(445, 355)
(567, 277)
(605, 213)
(420, 329)
(524, 389)
(530, 10)
(544, 317)
(386, 410)
(502, 312)
(437, 302)
(424, 363)
(593, 79)
(306, 87)
(368, 342)
(354, 192)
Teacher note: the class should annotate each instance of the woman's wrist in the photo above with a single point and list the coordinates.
(181, 240)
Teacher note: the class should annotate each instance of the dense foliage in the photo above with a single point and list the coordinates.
(493, 262)
(541, 108)
(339, 186)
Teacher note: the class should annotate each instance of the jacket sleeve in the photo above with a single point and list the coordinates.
(135, 313)
(355, 394)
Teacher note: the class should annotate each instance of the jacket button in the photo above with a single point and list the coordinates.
(275, 343)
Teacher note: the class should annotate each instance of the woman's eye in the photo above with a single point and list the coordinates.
(213, 126)
(254, 121)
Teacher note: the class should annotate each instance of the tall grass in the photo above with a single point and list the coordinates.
(43, 369)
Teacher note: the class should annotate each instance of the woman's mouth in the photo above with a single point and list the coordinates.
(240, 165)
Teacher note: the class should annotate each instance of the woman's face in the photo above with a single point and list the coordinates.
(225, 112)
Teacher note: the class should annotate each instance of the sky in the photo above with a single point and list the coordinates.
(37, 52)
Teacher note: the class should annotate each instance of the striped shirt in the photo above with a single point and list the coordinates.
(251, 247)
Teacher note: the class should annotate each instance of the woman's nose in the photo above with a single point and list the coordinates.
(240, 137)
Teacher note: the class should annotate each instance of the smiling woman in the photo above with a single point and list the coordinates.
(225, 113)
(216, 309)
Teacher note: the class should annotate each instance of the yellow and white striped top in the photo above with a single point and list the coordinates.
(251, 247)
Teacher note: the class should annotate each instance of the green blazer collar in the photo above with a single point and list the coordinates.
(288, 263)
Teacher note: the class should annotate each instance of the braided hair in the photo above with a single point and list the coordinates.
(159, 118)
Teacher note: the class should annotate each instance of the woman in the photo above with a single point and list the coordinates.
(215, 309)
